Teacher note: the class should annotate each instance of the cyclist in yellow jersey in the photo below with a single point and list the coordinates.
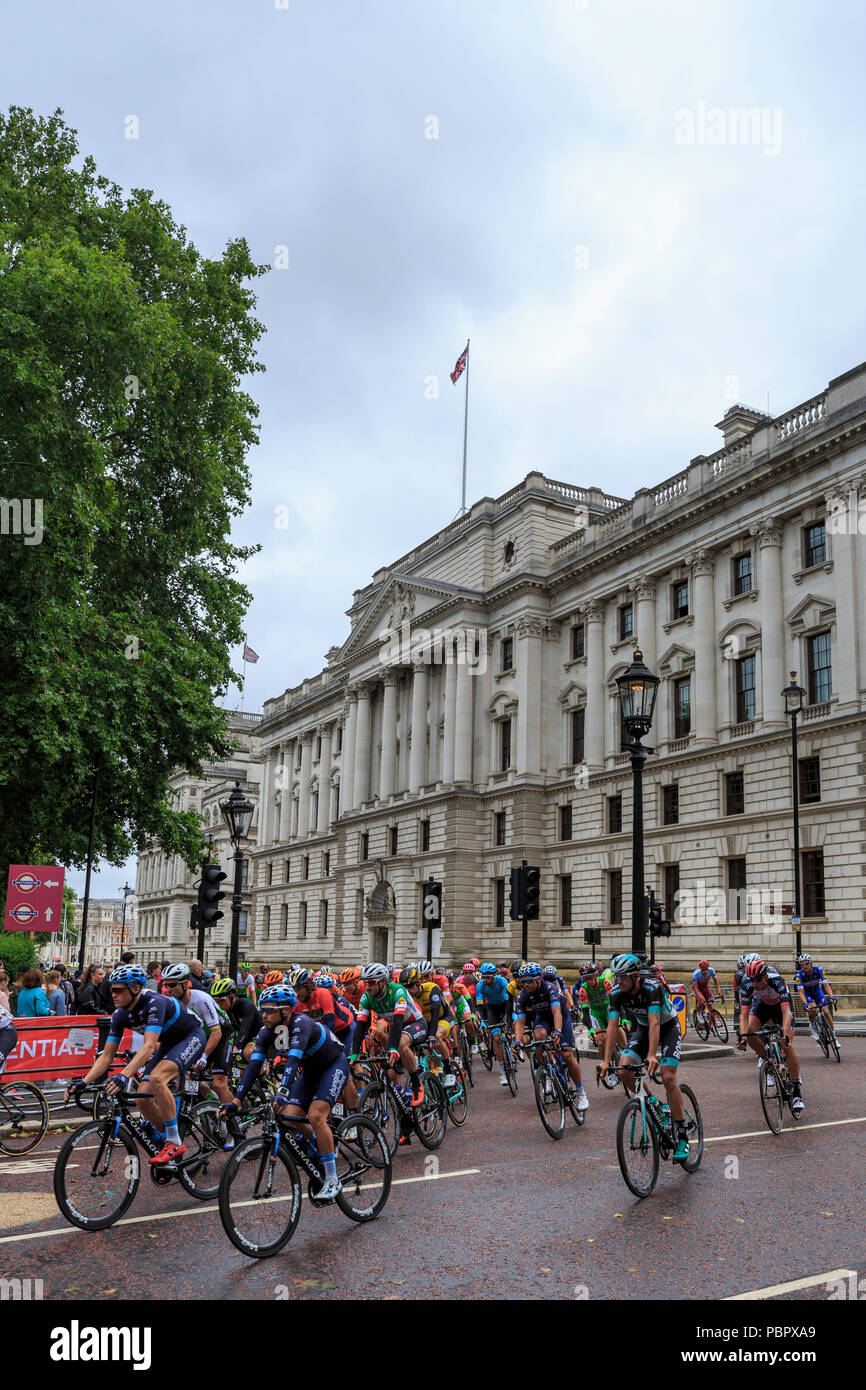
(430, 998)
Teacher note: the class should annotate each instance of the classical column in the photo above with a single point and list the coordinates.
(768, 532)
(463, 723)
(706, 721)
(593, 734)
(846, 547)
(418, 753)
(450, 719)
(324, 733)
(362, 747)
(645, 620)
(347, 774)
(304, 789)
(387, 782)
(530, 676)
(285, 785)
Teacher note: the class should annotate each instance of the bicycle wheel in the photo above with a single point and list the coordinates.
(377, 1102)
(23, 1117)
(770, 1087)
(203, 1134)
(571, 1097)
(260, 1197)
(701, 1024)
(637, 1148)
(457, 1097)
(823, 1040)
(466, 1055)
(837, 1053)
(720, 1026)
(609, 1078)
(431, 1116)
(96, 1175)
(485, 1049)
(363, 1168)
(695, 1126)
(510, 1066)
(550, 1102)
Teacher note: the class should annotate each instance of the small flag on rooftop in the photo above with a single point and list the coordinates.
(250, 655)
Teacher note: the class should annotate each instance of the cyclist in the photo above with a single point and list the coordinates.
(393, 1003)
(770, 1002)
(491, 1001)
(244, 1016)
(173, 1041)
(704, 983)
(654, 1036)
(437, 1012)
(742, 998)
(319, 999)
(512, 975)
(592, 1000)
(312, 1047)
(811, 984)
(217, 1026)
(273, 977)
(246, 980)
(350, 984)
(541, 1002)
(550, 973)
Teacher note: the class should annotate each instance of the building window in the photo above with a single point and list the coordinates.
(505, 750)
(270, 874)
(303, 919)
(813, 883)
(578, 726)
(499, 902)
(339, 738)
(741, 567)
(284, 921)
(737, 902)
(318, 747)
(565, 900)
(680, 599)
(364, 850)
(393, 839)
(626, 621)
(245, 873)
(614, 815)
(820, 672)
(671, 805)
(578, 642)
(359, 910)
(682, 706)
(267, 922)
(507, 653)
(810, 780)
(624, 737)
(326, 863)
(814, 545)
(323, 917)
(672, 891)
(314, 810)
(499, 828)
(242, 924)
(337, 801)
(745, 677)
(614, 897)
(735, 799)
(425, 835)
(288, 867)
(565, 823)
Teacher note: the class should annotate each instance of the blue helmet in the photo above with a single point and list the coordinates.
(278, 997)
(488, 968)
(326, 981)
(530, 971)
(128, 975)
(627, 964)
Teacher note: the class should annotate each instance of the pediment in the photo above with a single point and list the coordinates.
(676, 659)
(571, 692)
(402, 598)
(812, 611)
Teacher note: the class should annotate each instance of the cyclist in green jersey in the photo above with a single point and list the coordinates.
(407, 1025)
(595, 987)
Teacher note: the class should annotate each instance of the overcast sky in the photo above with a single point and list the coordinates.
(624, 275)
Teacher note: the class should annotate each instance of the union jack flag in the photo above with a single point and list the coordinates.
(250, 655)
(460, 365)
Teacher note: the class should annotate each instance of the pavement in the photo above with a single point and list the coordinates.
(501, 1210)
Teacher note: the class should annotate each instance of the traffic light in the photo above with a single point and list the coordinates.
(657, 926)
(209, 894)
(532, 891)
(518, 895)
(592, 936)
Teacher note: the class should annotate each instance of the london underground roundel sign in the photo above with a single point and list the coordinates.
(23, 913)
(26, 883)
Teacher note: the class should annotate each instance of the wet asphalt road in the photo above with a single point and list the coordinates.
(501, 1210)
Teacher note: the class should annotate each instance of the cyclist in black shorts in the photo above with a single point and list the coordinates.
(655, 1035)
(241, 1011)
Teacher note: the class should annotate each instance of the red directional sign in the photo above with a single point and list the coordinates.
(34, 898)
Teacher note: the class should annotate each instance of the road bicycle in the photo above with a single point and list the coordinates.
(555, 1091)
(98, 1168)
(510, 1053)
(708, 1018)
(393, 1112)
(260, 1192)
(645, 1132)
(825, 1039)
(775, 1085)
(24, 1117)
(452, 1082)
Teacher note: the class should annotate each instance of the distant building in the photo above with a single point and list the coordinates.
(108, 935)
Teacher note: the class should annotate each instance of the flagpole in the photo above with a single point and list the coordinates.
(244, 675)
(465, 430)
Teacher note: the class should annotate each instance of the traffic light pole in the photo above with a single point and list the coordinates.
(638, 901)
(236, 916)
(524, 941)
(198, 926)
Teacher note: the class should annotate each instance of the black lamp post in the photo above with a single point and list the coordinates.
(794, 696)
(237, 812)
(638, 688)
(126, 890)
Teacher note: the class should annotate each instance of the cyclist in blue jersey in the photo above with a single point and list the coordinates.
(173, 1042)
(815, 993)
(491, 1000)
(542, 1004)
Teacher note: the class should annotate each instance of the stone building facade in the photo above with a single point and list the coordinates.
(470, 719)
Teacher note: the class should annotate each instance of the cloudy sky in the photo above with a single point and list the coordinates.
(559, 181)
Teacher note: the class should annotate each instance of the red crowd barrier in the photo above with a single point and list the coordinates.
(59, 1047)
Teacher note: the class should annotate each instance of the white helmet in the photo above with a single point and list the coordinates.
(375, 972)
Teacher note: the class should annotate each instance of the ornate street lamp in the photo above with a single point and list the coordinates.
(794, 695)
(638, 688)
(237, 812)
(126, 890)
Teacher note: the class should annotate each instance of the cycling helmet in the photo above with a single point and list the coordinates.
(488, 968)
(703, 965)
(128, 975)
(278, 997)
(375, 972)
(425, 966)
(804, 959)
(476, 961)
(589, 968)
(549, 972)
(326, 981)
(655, 969)
(515, 966)
(627, 964)
(391, 966)
(467, 968)
(300, 977)
(223, 986)
(410, 976)
(530, 971)
(175, 974)
(756, 967)
(348, 977)
(273, 977)
(243, 965)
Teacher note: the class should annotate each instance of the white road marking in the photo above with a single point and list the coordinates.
(211, 1208)
(775, 1290)
(793, 1129)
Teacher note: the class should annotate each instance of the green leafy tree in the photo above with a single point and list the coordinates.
(17, 952)
(124, 358)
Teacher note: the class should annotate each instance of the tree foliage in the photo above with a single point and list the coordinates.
(124, 360)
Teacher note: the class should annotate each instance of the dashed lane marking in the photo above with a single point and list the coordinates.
(793, 1129)
(776, 1290)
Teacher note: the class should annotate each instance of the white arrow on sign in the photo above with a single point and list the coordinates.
(52, 883)
(48, 914)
